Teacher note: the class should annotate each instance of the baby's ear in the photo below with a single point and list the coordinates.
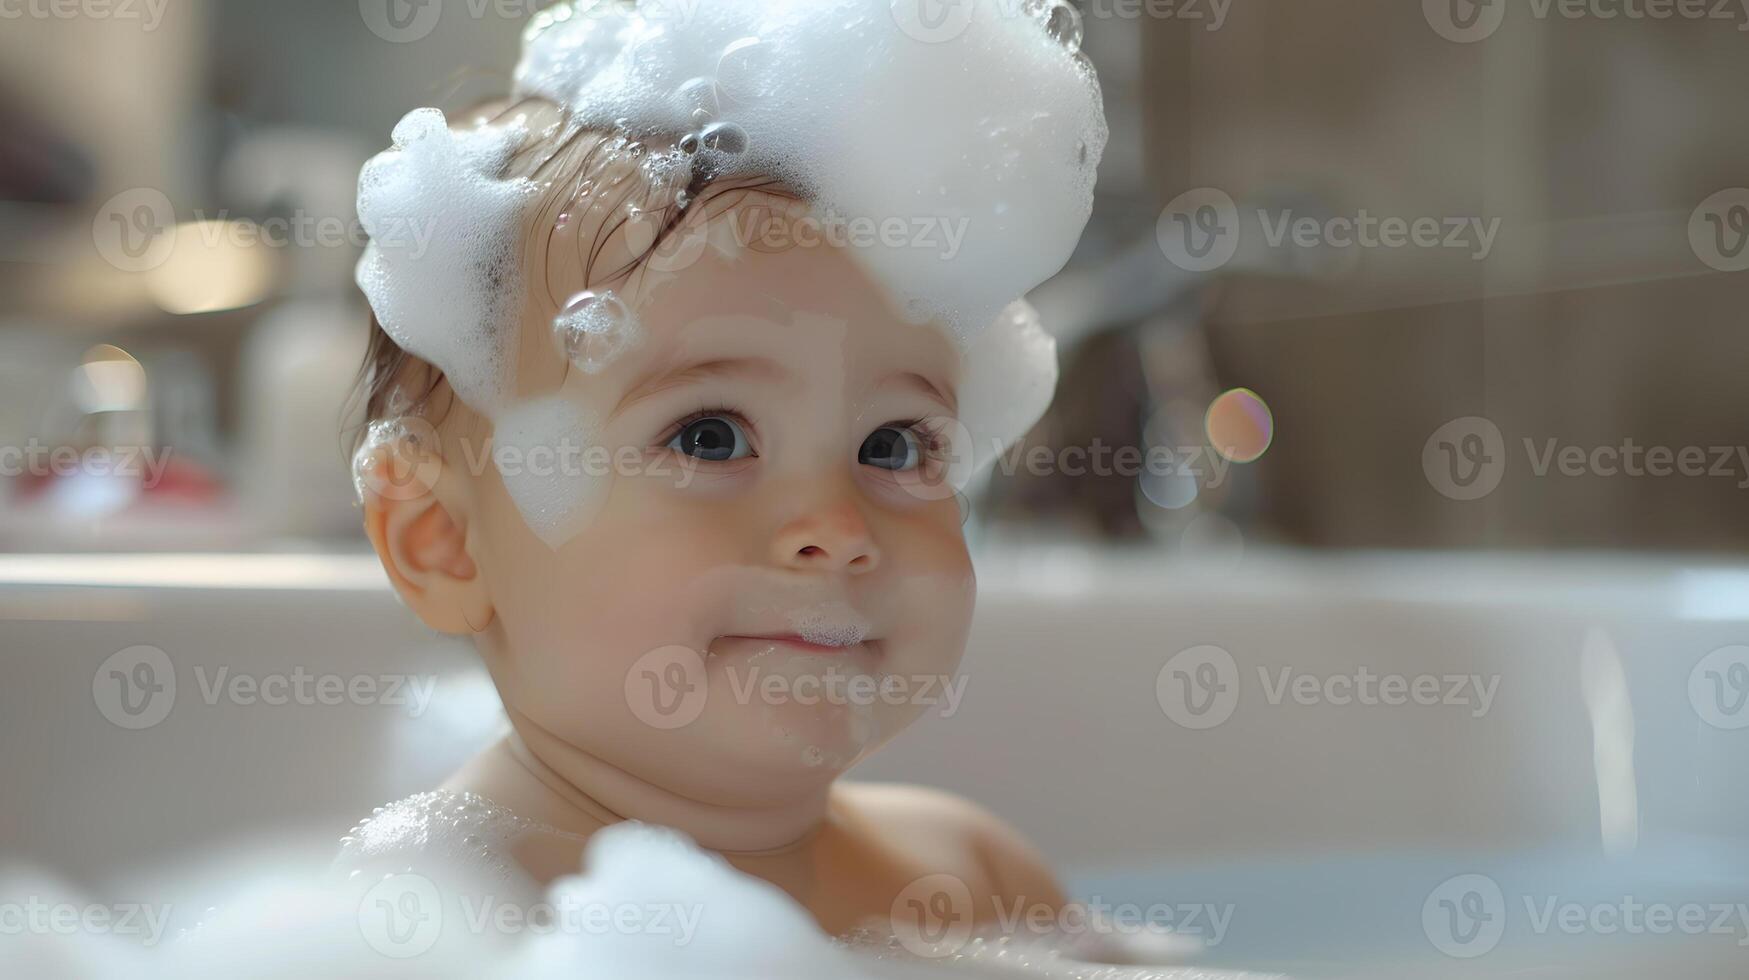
(417, 513)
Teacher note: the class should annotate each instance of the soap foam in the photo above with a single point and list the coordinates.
(449, 296)
(543, 448)
(1001, 127)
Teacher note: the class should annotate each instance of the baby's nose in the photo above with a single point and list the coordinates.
(828, 538)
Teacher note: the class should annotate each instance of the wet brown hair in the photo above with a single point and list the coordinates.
(552, 157)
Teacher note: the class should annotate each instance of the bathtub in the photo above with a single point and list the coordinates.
(1357, 765)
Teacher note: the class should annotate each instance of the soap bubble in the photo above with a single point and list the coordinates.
(1240, 426)
(698, 99)
(594, 329)
(1064, 24)
(725, 138)
(744, 70)
(688, 144)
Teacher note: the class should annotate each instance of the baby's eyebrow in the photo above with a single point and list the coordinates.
(928, 388)
(667, 378)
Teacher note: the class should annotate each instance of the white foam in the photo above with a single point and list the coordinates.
(1006, 384)
(442, 270)
(545, 451)
(869, 112)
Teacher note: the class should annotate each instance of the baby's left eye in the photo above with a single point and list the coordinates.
(891, 448)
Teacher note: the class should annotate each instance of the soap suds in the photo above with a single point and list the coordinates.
(450, 296)
(837, 99)
(544, 449)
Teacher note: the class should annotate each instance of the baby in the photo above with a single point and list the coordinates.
(718, 313)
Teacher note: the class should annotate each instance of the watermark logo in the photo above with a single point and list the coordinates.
(667, 688)
(1465, 917)
(1718, 230)
(1465, 458)
(401, 21)
(398, 459)
(933, 21)
(38, 916)
(135, 231)
(1199, 229)
(401, 916)
(149, 13)
(1464, 21)
(135, 688)
(1718, 688)
(1198, 688)
(933, 916)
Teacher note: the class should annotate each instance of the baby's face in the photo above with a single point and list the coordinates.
(773, 580)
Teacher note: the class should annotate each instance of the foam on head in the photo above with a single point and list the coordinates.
(995, 132)
(983, 132)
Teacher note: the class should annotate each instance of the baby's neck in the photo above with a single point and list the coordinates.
(574, 791)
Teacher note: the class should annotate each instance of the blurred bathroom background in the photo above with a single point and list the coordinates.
(177, 238)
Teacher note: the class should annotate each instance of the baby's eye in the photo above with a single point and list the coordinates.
(891, 448)
(714, 439)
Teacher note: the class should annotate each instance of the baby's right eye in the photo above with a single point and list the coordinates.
(712, 438)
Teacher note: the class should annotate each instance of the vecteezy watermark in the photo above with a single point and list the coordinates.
(1465, 459)
(35, 459)
(137, 688)
(1201, 687)
(148, 13)
(764, 228)
(1718, 230)
(1469, 21)
(936, 916)
(405, 916)
(1466, 916)
(1718, 688)
(36, 916)
(940, 21)
(137, 231)
(406, 21)
(1202, 230)
(669, 688)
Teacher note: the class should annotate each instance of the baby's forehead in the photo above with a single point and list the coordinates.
(816, 300)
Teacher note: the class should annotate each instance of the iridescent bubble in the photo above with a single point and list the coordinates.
(594, 329)
(1239, 425)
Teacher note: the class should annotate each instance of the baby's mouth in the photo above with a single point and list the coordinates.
(816, 645)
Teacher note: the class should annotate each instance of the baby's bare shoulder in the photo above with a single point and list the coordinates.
(950, 834)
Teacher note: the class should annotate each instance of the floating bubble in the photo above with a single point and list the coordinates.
(594, 329)
(1239, 425)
